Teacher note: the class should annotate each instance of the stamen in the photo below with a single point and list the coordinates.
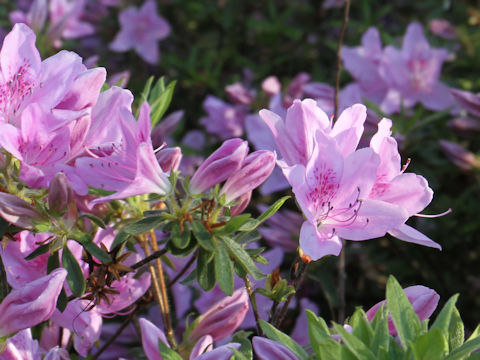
(435, 215)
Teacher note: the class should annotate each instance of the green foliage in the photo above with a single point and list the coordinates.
(371, 339)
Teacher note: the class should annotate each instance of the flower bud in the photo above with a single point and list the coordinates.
(239, 94)
(424, 301)
(60, 194)
(33, 303)
(461, 157)
(271, 85)
(256, 168)
(169, 158)
(267, 349)
(223, 318)
(150, 337)
(18, 212)
(219, 166)
(467, 100)
(166, 127)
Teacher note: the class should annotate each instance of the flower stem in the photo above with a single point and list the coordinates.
(253, 301)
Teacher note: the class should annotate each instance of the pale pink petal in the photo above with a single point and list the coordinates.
(317, 245)
(150, 337)
(409, 234)
(203, 345)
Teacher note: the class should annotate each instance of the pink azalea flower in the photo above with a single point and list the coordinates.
(331, 180)
(65, 16)
(414, 71)
(223, 119)
(406, 190)
(140, 30)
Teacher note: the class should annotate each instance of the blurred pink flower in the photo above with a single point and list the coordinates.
(442, 28)
(140, 30)
(21, 347)
(460, 156)
(223, 119)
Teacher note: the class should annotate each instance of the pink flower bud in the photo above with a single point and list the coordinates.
(219, 166)
(256, 168)
(60, 194)
(222, 318)
(166, 127)
(460, 156)
(18, 212)
(239, 94)
(424, 301)
(267, 349)
(271, 86)
(150, 336)
(33, 303)
(169, 158)
(467, 100)
(442, 28)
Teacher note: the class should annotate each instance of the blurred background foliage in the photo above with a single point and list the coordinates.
(215, 43)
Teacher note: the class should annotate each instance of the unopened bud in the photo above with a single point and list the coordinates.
(460, 156)
(223, 318)
(60, 194)
(256, 168)
(169, 158)
(18, 212)
(271, 85)
(266, 349)
(239, 94)
(219, 166)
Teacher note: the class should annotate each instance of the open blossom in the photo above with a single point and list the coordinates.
(414, 71)
(140, 30)
(344, 192)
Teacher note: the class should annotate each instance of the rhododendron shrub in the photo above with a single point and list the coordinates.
(116, 244)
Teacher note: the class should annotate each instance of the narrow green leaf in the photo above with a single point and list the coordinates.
(38, 251)
(354, 344)
(161, 104)
(120, 238)
(464, 350)
(180, 239)
(361, 326)
(239, 355)
(53, 262)
(224, 270)
(242, 257)
(456, 332)
(144, 94)
(432, 345)
(242, 337)
(166, 352)
(381, 337)
(254, 223)
(234, 224)
(202, 235)
(442, 321)
(144, 225)
(205, 270)
(62, 300)
(323, 345)
(283, 339)
(95, 219)
(404, 317)
(99, 253)
(75, 278)
(157, 90)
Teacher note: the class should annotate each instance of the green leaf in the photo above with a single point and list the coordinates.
(202, 235)
(99, 253)
(242, 337)
(283, 339)
(62, 300)
(180, 239)
(464, 350)
(224, 270)
(145, 93)
(239, 355)
(157, 89)
(361, 326)
(442, 321)
(120, 238)
(95, 219)
(323, 345)
(75, 278)
(53, 262)
(166, 352)
(354, 344)
(205, 269)
(38, 251)
(161, 104)
(192, 245)
(254, 223)
(404, 317)
(242, 257)
(430, 346)
(456, 332)
(234, 224)
(144, 225)
(381, 337)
